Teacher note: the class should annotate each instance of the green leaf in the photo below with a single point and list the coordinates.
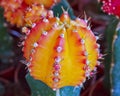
(38, 88)
(58, 9)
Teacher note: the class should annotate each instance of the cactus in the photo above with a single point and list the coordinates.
(34, 14)
(116, 66)
(109, 35)
(14, 11)
(25, 12)
(55, 47)
(112, 7)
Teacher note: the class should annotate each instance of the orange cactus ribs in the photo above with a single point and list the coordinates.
(46, 3)
(14, 11)
(16, 16)
(17, 12)
(10, 4)
(61, 52)
(35, 33)
(35, 13)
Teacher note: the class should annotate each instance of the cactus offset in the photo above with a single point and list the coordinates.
(54, 51)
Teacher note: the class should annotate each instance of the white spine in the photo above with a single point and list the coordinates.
(57, 92)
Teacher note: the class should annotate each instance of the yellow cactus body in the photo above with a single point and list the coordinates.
(65, 54)
(35, 33)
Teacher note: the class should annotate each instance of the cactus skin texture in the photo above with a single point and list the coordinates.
(55, 47)
(116, 67)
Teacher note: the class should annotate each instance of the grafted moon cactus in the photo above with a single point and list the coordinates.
(112, 7)
(61, 52)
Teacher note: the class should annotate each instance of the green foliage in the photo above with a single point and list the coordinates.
(38, 88)
(116, 67)
(5, 41)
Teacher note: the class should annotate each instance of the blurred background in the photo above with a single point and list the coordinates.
(13, 70)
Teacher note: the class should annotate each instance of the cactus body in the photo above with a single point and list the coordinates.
(56, 47)
(112, 7)
(60, 52)
(116, 66)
